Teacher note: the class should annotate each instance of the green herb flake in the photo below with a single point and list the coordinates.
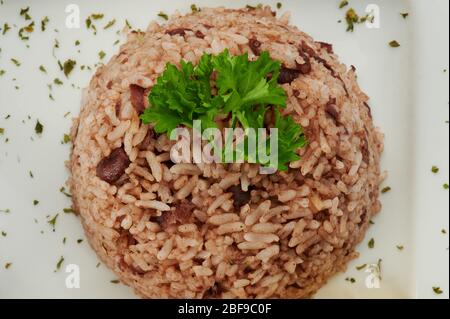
(77, 42)
(59, 263)
(44, 23)
(371, 243)
(361, 267)
(279, 5)
(64, 240)
(66, 139)
(394, 44)
(445, 186)
(101, 55)
(88, 23)
(38, 128)
(2, 131)
(98, 265)
(79, 241)
(58, 81)
(63, 191)
(2, 72)
(350, 280)
(68, 67)
(6, 28)
(52, 221)
(68, 211)
(31, 174)
(386, 189)
(404, 15)
(163, 16)
(109, 24)
(343, 4)
(194, 8)
(352, 18)
(8, 265)
(4, 234)
(400, 247)
(6, 211)
(444, 231)
(438, 290)
(115, 281)
(42, 69)
(435, 169)
(97, 16)
(35, 202)
(15, 62)
(25, 13)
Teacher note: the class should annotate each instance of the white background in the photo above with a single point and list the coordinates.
(409, 99)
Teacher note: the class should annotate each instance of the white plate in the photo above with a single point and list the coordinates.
(409, 99)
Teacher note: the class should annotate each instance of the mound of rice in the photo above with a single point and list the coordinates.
(225, 231)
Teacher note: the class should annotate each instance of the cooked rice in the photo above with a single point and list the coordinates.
(173, 231)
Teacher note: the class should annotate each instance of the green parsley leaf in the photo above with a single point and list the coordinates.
(435, 169)
(245, 89)
(371, 243)
(16, 62)
(6, 28)
(44, 23)
(101, 55)
(386, 190)
(52, 221)
(109, 24)
(59, 263)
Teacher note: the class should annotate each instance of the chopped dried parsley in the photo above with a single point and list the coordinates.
(8, 265)
(438, 290)
(350, 280)
(194, 8)
(58, 81)
(64, 240)
(279, 5)
(101, 55)
(42, 69)
(2, 72)
(444, 231)
(163, 15)
(115, 281)
(88, 23)
(24, 13)
(371, 243)
(52, 222)
(400, 247)
(98, 265)
(404, 15)
(44, 23)
(29, 29)
(6, 211)
(16, 62)
(63, 191)
(35, 202)
(343, 4)
(435, 169)
(68, 66)
(97, 16)
(79, 241)
(361, 267)
(394, 44)
(445, 186)
(77, 43)
(39, 128)
(258, 6)
(68, 211)
(2, 131)
(59, 263)
(4, 234)
(386, 189)
(31, 174)
(351, 17)
(109, 24)
(66, 139)
(6, 28)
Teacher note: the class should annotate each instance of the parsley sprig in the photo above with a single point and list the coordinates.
(245, 90)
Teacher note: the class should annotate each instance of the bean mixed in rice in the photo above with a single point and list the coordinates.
(225, 231)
